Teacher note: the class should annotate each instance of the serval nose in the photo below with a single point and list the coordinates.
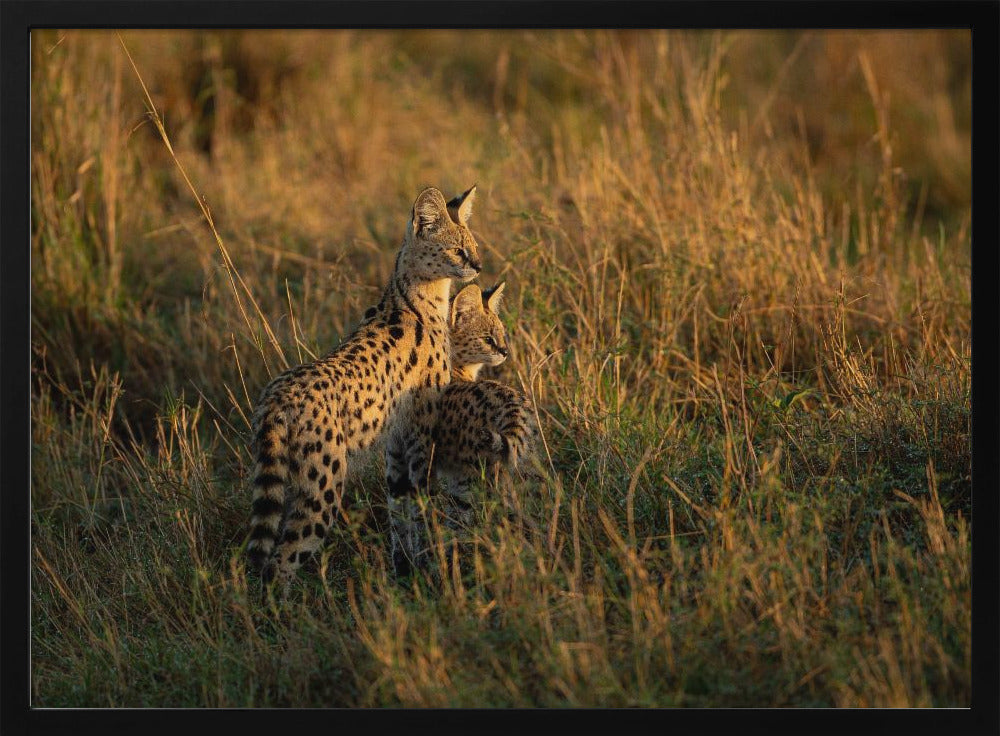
(474, 261)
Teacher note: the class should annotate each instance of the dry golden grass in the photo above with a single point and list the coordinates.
(738, 292)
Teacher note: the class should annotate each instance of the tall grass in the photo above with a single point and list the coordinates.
(739, 295)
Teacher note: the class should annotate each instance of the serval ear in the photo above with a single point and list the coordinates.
(467, 301)
(493, 298)
(428, 209)
(460, 208)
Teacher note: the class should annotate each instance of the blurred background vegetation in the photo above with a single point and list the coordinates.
(739, 295)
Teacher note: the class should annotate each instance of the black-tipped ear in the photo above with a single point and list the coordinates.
(493, 298)
(460, 207)
(428, 209)
(468, 300)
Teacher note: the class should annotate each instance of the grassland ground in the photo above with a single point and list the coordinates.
(738, 293)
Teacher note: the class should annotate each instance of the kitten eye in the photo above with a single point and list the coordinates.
(491, 342)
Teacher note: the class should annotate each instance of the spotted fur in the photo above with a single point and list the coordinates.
(311, 419)
(472, 423)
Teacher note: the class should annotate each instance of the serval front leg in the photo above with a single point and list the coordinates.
(403, 516)
(458, 487)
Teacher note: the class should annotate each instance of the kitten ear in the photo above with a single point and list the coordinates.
(468, 300)
(460, 207)
(493, 298)
(428, 209)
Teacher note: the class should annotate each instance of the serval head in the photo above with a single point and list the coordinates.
(438, 243)
(478, 336)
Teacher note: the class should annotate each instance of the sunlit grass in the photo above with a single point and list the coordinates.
(738, 294)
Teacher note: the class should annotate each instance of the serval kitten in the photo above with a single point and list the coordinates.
(472, 423)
